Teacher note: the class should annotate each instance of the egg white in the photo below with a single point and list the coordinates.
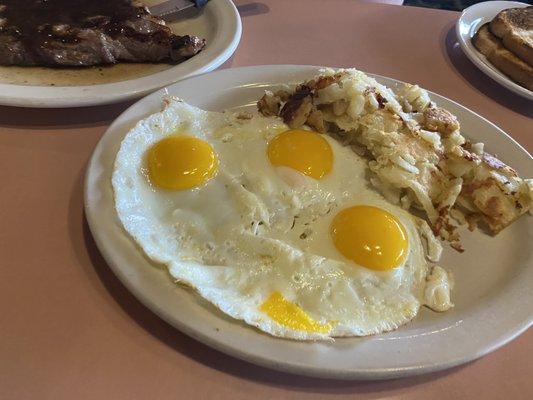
(255, 229)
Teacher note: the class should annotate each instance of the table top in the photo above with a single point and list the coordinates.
(68, 326)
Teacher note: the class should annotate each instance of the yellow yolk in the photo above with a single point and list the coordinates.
(290, 315)
(370, 236)
(181, 162)
(305, 151)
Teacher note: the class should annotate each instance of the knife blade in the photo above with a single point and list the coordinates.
(175, 6)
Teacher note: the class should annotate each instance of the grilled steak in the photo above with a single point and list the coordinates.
(87, 32)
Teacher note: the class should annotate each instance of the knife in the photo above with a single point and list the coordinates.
(175, 6)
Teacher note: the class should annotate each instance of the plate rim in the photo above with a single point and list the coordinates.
(292, 367)
(479, 59)
(223, 46)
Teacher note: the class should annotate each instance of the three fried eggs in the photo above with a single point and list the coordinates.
(275, 227)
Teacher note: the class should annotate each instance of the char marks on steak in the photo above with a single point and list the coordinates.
(87, 32)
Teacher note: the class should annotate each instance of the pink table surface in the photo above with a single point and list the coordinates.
(69, 329)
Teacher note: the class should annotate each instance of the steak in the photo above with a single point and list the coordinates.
(87, 32)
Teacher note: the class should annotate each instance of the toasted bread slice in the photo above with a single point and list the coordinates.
(508, 63)
(515, 28)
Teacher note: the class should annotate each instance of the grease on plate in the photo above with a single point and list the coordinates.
(84, 76)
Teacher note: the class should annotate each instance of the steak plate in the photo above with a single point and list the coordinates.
(87, 32)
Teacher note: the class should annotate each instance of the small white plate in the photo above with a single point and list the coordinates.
(469, 22)
(218, 22)
(493, 297)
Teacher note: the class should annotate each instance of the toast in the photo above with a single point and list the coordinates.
(503, 59)
(514, 27)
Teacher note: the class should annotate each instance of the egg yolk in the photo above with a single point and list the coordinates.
(181, 162)
(305, 151)
(290, 315)
(370, 236)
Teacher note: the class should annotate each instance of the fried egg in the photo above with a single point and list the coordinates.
(275, 227)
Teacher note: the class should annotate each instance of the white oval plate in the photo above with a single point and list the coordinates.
(219, 23)
(469, 22)
(493, 297)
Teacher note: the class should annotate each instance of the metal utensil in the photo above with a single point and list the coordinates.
(175, 6)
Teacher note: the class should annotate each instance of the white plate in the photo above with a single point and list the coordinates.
(493, 297)
(469, 22)
(219, 23)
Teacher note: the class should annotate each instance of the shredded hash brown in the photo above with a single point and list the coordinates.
(417, 154)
